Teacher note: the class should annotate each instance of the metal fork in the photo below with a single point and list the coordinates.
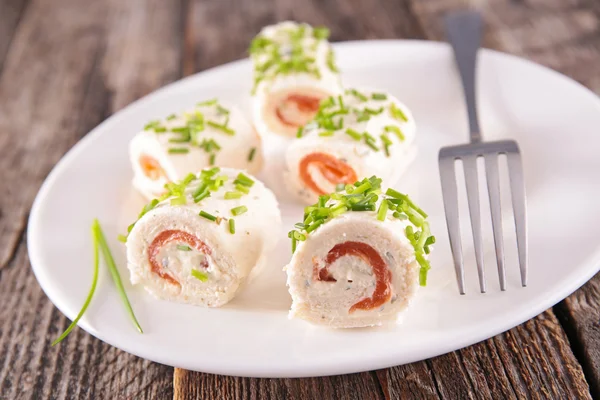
(464, 34)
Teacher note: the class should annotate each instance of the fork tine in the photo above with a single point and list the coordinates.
(493, 184)
(470, 167)
(450, 196)
(517, 191)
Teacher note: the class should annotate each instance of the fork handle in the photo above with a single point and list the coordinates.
(464, 34)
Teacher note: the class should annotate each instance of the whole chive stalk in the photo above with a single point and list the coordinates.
(90, 293)
(251, 154)
(231, 226)
(114, 272)
(201, 276)
(183, 247)
(178, 150)
(208, 216)
(239, 210)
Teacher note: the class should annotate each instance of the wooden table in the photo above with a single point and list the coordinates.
(66, 65)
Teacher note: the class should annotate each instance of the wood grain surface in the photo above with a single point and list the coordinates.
(66, 65)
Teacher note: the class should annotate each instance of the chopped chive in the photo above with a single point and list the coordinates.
(178, 201)
(231, 226)
(242, 188)
(357, 94)
(338, 210)
(151, 125)
(243, 179)
(397, 113)
(211, 159)
(114, 272)
(122, 238)
(183, 247)
(379, 96)
(239, 210)
(340, 187)
(232, 195)
(88, 299)
(320, 32)
(363, 187)
(382, 212)
(201, 196)
(363, 207)
(294, 243)
(430, 240)
(171, 117)
(331, 62)
(353, 134)
(251, 154)
(326, 133)
(222, 110)
(178, 150)
(300, 131)
(371, 144)
(396, 131)
(315, 225)
(393, 193)
(210, 102)
(208, 216)
(425, 267)
(372, 111)
(399, 215)
(201, 276)
(222, 128)
(368, 137)
(160, 129)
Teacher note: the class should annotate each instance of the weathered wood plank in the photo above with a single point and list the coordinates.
(194, 385)
(12, 10)
(58, 81)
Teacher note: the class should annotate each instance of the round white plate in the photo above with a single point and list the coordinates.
(554, 119)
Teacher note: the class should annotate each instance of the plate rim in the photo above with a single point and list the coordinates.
(477, 334)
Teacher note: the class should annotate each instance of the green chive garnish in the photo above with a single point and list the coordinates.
(396, 131)
(208, 216)
(242, 179)
(397, 113)
(114, 272)
(353, 134)
(239, 210)
(251, 154)
(210, 102)
(393, 193)
(326, 133)
(201, 276)
(300, 131)
(201, 196)
(178, 150)
(91, 291)
(183, 247)
(122, 238)
(171, 117)
(357, 94)
(231, 226)
(379, 96)
(382, 212)
(222, 128)
(178, 201)
(211, 159)
(242, 188)
(232, 195)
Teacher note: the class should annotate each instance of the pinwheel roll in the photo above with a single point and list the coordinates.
(359, 257)
(209, 135)
(353, 136)
(294, 69)
(199, 242)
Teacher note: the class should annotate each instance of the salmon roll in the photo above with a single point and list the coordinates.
(294, 69)
(208, 135)
(353, 136)
(199, 242)
(359, 256)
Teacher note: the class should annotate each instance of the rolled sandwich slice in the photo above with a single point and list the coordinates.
(359, 257)
(353, 136)
(294, 69)
(208, 135)
(199, 242)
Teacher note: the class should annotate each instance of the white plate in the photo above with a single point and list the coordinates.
(554, 119)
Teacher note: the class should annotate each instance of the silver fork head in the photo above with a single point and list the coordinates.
(468, 154)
